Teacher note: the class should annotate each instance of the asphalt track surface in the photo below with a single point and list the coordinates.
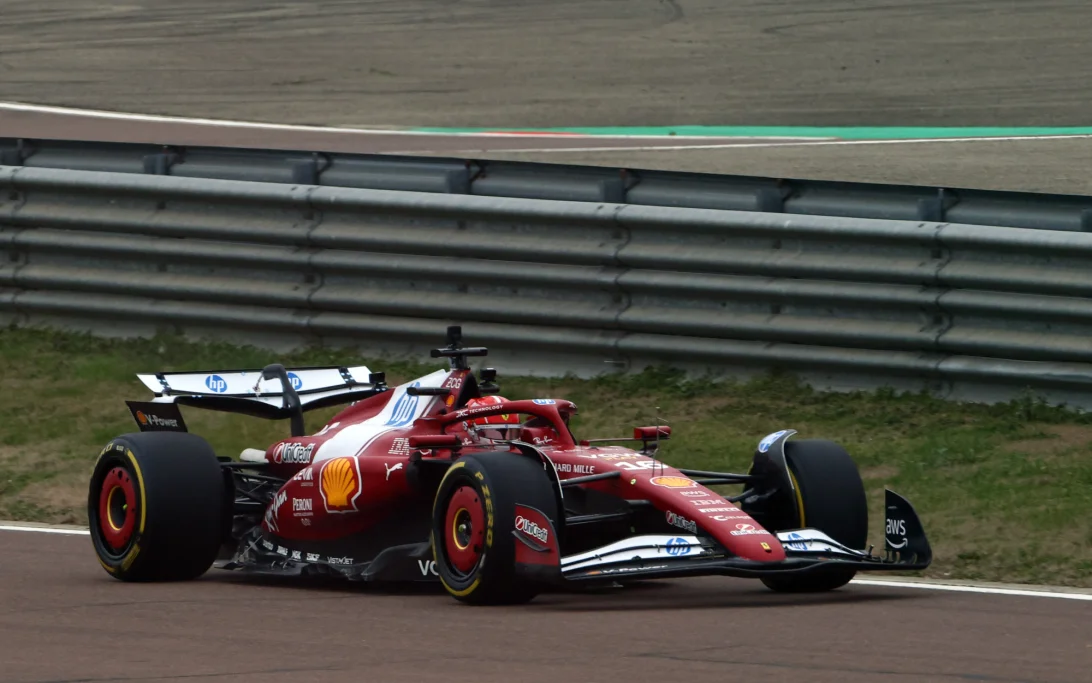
(63, 619)
(525, 63)
(528, 63)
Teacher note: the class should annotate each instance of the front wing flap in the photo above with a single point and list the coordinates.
(807, 550)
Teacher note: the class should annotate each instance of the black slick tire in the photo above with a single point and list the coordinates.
(484, 489)
(155, 506)
(832, 496)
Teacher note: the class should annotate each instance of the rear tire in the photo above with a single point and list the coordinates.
(155, 506)
(472, 519)
(832, 496)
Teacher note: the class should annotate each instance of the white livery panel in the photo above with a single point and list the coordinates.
(400, 411)
(813, 541)
(647, 547)
(312, 384)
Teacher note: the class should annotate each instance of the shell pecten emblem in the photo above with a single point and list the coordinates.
(673, 482)
(339, 483)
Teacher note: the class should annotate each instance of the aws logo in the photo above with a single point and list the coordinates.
(339, 484)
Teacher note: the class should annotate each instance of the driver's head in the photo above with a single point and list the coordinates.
(503, 427)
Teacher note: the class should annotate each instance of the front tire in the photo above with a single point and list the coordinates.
(155, 506)
(832, 497)
(472, 521)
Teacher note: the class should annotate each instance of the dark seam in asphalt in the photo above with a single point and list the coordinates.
(178, 677)
(811, 666)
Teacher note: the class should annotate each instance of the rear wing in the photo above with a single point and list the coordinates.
(273, 392)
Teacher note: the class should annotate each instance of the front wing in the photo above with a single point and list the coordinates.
(807, 550)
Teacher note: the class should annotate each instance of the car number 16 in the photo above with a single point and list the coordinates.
(639, 465)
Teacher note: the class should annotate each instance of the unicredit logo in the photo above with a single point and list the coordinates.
(293, 453)
(531, 529)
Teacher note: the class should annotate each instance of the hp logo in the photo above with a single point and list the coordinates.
(678, 546)
(216, 383)
(404, 410)
(295, 381)
(796, 546)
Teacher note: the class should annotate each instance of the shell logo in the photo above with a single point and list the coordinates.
(673, 482)
(141, 418)
(339, 483)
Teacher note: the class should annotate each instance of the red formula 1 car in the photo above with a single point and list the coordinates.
(439, 479)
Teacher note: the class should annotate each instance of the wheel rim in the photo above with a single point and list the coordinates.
(117, 513)
(465, 529)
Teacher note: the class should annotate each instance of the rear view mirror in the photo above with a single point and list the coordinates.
(650, 433)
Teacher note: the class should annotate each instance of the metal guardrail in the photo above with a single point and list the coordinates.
(563, 183)
(971, 310)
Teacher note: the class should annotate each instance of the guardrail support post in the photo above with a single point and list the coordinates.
(769, 200)
(10, 157)
(305, 172)
(15, 156)
(613, 191)
(936, 208)
(159, 164)
(458, 182)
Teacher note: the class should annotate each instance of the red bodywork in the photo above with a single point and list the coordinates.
(335, 492)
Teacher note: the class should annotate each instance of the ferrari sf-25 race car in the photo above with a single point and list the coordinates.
(440, 479)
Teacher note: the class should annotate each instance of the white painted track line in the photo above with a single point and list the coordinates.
(225, 123)
(922, 584)
(581, 143)
(971, 587)
(44, 529)
(810, 142)
(255, 125)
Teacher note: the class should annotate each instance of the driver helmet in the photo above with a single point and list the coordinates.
(503, 427)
